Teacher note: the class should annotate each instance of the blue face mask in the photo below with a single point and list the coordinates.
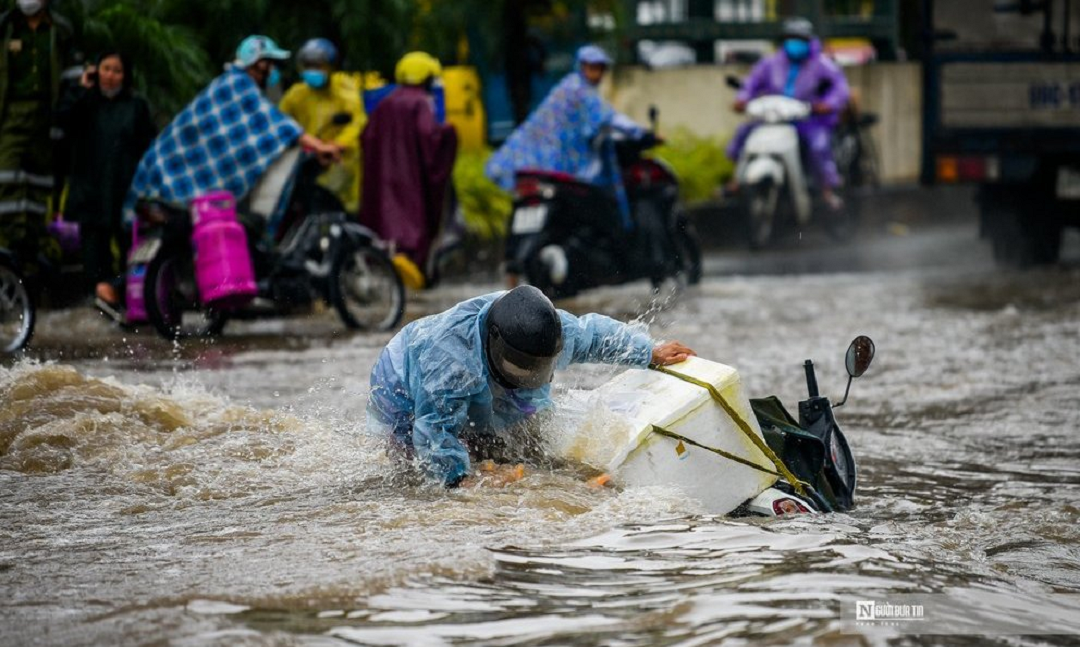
(274, 78)
(315, 78)
(796, 49)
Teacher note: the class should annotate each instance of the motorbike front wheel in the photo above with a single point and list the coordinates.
(172, 299)
(761, 203)
(17, 311)
(841, 223)
(365, 289)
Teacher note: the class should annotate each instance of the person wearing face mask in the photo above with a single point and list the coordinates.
(226, 137)
(565, 133)
(800, 70)
(320, 103)
(108, 128)
(35, 50)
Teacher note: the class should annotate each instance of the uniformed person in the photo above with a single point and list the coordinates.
(36, 45)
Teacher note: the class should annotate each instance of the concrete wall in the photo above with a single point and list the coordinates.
(699, 99)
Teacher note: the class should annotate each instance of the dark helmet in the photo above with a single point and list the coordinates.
(524, 338)
(797, 27)
(317, 51)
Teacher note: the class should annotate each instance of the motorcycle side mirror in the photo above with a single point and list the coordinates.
(859, 355)
(733, 82)
(341, 119)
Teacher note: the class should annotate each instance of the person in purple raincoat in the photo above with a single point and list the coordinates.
(408, 165)
(800, 70)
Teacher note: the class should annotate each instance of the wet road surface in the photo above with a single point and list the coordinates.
(226, 493)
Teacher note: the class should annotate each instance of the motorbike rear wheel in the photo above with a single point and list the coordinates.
(365, 289)
(172, 299)
(761, 203)
(687, 249)
(17, 310)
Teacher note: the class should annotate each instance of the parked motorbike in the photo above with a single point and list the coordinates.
(813, 448)
(855, 151)
(56, 283)
(772, 178)
(307, 250)
(566, 235)
(18, 311)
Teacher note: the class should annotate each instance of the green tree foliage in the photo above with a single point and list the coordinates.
(177, 46)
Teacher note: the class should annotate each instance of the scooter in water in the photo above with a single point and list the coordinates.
(307, 249)
(813, 448)
(567, 236)
(772, 178)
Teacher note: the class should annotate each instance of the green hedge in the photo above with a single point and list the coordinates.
(699, 163)
(486, 206)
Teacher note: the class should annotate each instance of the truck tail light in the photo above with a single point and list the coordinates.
(969, 168)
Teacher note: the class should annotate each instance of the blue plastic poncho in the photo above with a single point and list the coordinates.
(224, 139)
(561, 135)
(432, 380)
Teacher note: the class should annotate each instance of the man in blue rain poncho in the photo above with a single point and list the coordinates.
(565, 133)
(447, 381)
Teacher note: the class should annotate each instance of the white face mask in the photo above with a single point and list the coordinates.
(31, 7)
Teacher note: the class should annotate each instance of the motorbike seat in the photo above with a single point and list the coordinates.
(557, 177)
(150, 210)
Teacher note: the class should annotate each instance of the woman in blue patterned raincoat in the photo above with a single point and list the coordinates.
(565, 133)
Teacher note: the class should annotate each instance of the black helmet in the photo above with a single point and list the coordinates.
(797, 27)
(524, 338)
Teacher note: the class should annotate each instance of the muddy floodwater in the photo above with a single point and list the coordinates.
(226, 494)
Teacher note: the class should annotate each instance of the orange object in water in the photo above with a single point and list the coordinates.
(599, 481)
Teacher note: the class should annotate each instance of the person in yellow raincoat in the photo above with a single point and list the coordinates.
(319, 104)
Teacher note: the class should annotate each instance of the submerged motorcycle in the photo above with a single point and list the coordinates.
(567, 236)
(772, 174)
(306, 249)
(813, 447)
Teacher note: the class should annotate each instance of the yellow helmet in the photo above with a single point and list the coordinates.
(415, 68)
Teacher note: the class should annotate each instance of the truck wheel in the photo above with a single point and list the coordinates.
(1021, 230)
(1016, 247)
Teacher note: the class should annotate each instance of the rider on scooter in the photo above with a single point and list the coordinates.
(226, 138)
(566, 133)
(800, 70)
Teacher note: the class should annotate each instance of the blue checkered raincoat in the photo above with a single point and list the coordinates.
(224, 139)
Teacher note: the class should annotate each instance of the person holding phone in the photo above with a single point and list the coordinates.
(108, 127)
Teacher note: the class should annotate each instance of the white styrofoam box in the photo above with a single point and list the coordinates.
(623, 444)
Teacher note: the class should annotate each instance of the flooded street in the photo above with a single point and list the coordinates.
(226, 493)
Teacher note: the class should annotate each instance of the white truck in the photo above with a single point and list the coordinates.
(1002, 109)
